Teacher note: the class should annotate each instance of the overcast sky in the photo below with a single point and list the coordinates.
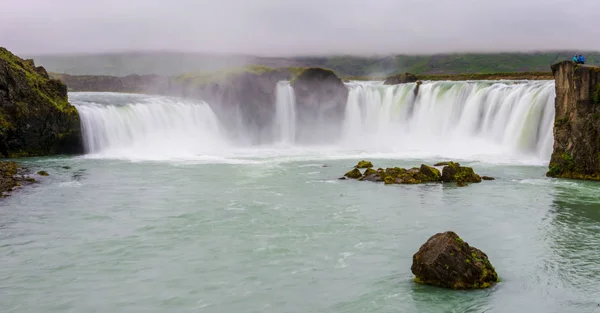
(295, 27)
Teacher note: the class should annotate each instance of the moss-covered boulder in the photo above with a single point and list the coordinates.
(400, 79)
(11, 176)
(35, 115)
(354, 174)
(364, 164)
(461, 175)
(445, 260)
(430, 174)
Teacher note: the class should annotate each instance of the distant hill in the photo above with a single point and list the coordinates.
(174, 63)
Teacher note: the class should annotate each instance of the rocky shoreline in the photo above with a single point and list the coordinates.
(14, 176)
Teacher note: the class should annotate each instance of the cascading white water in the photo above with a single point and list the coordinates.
(485, 120)
(148, 127)
(285, 123)
(452, 119)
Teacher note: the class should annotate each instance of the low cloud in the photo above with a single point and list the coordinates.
(309, 27)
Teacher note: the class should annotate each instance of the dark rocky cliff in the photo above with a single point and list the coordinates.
(321, 98)
(577, 122)
(35, 115)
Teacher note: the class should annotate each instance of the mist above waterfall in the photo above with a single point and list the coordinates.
(486, 120)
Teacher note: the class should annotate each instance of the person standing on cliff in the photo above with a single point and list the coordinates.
(581, 59)
(575, 59)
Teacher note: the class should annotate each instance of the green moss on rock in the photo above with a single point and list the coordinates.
(364, 164)
(461, 175)
(35, 115)
(447, 261)
(354, 174)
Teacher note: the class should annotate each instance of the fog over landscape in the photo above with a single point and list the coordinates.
(285, 28)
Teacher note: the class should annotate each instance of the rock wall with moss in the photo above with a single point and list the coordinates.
(576, 151)
(35, 115)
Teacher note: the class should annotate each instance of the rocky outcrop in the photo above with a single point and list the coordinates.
(400, 79)
(321, 98)
(35, 115)
(451, 173)
(461, 175)
(445, 260)
(577, 122)
(12, 176)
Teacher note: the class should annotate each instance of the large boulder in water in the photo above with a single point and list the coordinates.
(400, 79)
(321, 98)
(35, 115)
(445, 260)
(461, 175)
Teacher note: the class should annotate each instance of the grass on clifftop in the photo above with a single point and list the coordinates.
(200, 78)
(36, 81)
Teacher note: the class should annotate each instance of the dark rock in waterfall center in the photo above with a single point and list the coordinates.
(487, 178)
(452, 172)
(12, 176)
(320, 96)
(445, 260)
(35, 115)
(400, 79)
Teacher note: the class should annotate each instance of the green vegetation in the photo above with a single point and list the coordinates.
(205, 77)
(34, 79)
(350, 67)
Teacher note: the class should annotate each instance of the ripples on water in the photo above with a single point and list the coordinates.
(174, 237)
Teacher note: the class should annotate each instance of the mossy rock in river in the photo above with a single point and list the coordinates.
(364, 164)
(445, 260)
(430, 174)
(453, 172)
(354, 174)
(461, 175)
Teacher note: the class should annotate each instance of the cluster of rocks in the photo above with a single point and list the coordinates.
(13, 176)
(452, 172)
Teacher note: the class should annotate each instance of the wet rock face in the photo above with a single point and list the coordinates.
(576, 153)
(321, 98)
(35, 116)
(445, 260)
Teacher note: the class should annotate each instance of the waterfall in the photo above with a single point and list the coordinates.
(118, 125)
(493, 121)
(285, 122)
(452, 118)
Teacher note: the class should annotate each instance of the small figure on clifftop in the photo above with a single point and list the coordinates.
(579, 59)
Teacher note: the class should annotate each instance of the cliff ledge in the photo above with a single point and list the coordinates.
(577, 122)
(35, 115)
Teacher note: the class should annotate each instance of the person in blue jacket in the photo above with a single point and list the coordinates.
(581, 59)
(575, 59)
